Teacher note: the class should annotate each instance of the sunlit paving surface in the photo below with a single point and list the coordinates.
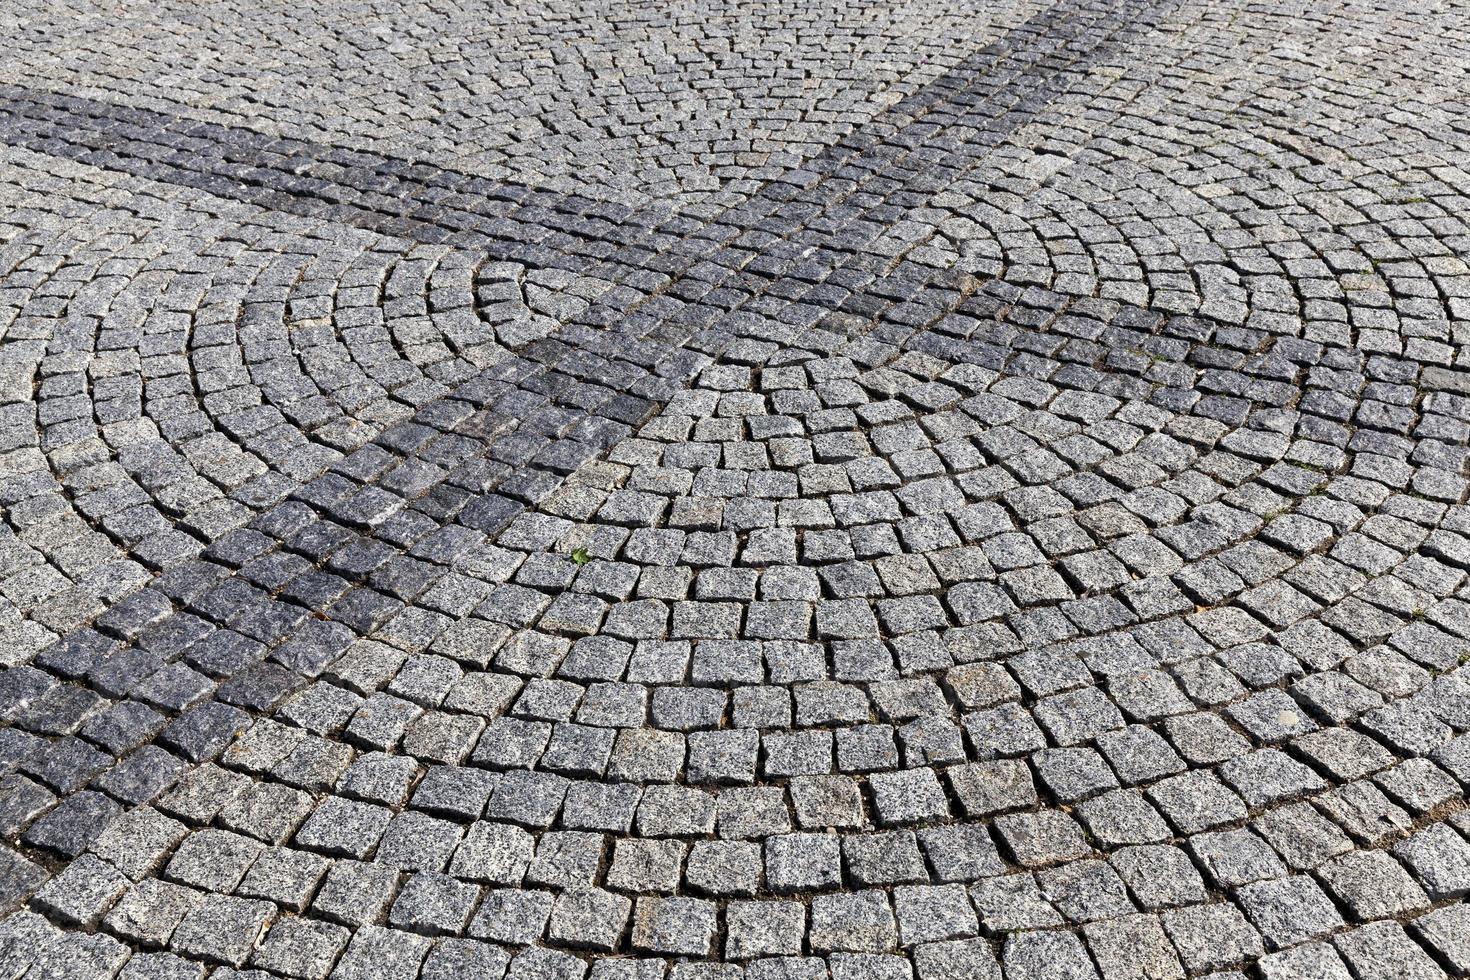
(734, 490)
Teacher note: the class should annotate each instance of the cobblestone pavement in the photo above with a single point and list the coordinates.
(735, 490)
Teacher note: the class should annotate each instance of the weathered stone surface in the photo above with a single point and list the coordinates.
(733, 490)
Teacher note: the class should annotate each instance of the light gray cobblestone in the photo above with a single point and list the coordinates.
(744, 491)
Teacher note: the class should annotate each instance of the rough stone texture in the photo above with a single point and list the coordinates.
(734, 491)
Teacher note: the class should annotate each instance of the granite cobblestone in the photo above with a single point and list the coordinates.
(1003, 517)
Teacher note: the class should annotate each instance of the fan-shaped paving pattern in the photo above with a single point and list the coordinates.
(1025, 537)
(1242, 164)
(624, 99)
(691, 677)
(192, 367)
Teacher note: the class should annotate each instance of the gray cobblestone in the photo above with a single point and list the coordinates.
(745, 491)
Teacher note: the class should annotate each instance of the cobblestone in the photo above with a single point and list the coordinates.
(736, 491)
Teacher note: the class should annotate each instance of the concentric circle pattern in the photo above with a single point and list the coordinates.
(746, 491)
